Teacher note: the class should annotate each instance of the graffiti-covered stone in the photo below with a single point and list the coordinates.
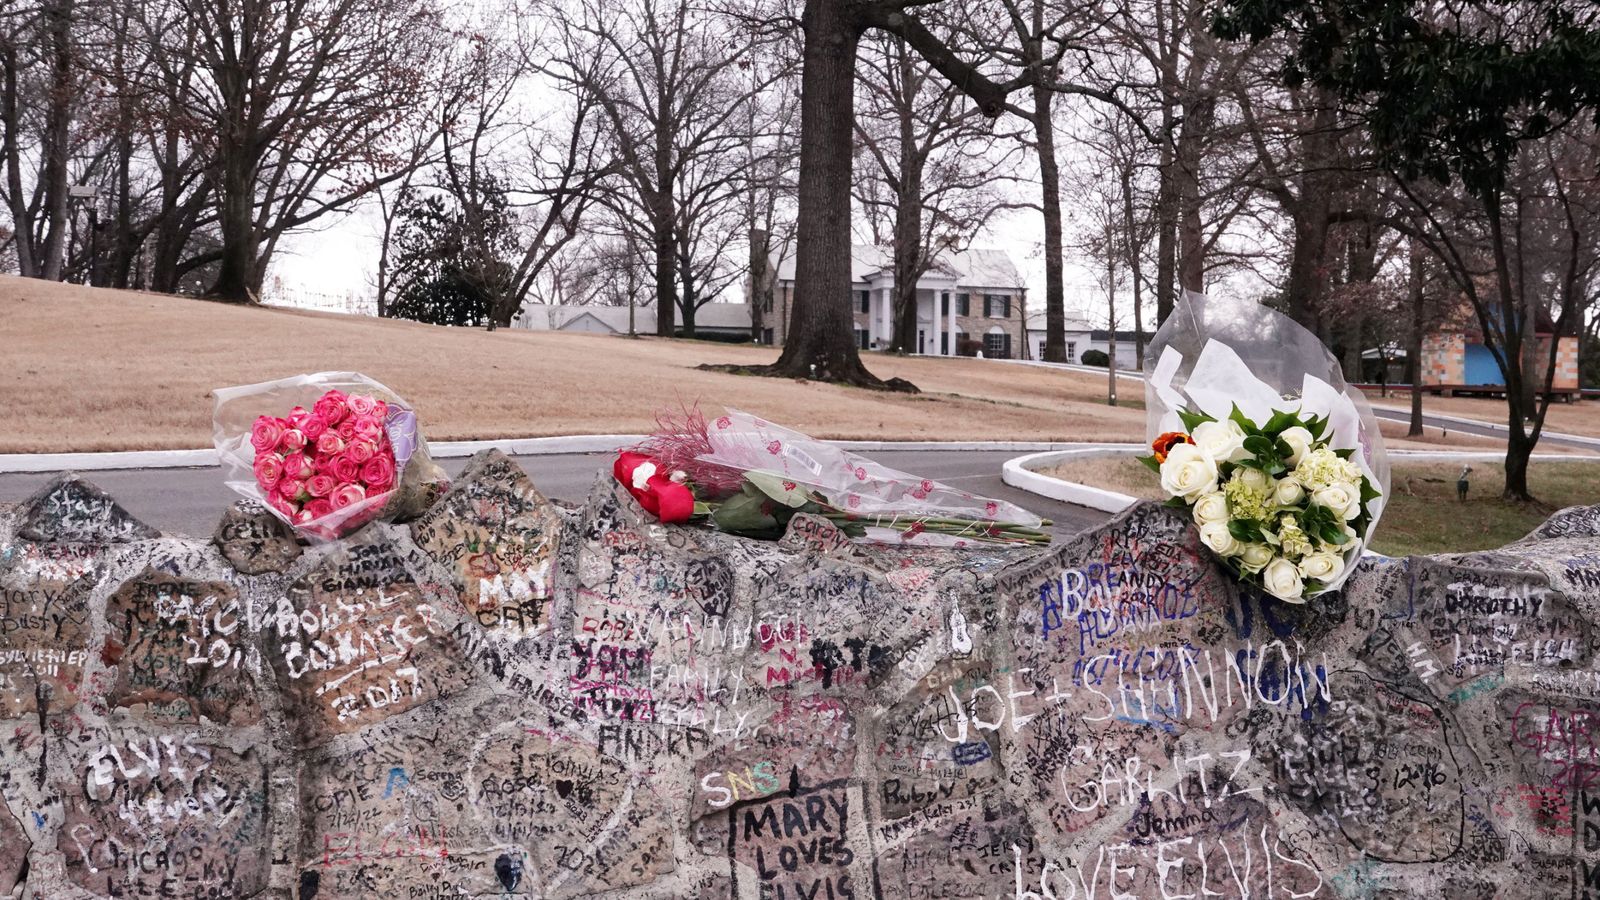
(508, 699)
(254, 541)
(150, 813)
(71, 510)
(44, 619)
(14, 850)
(182, 650)
(500, 538)
(357, 639)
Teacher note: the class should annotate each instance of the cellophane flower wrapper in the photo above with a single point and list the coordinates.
(1213, 353)
(851, 482)
(419, 480)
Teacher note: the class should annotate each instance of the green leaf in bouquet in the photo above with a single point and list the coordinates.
(1335, 536)
(1280, 422)
(1243, 421)
(1176, 503)
(1260, 446)
(1317, 425)
(1245, 530)
(748, 512)
(1369, 491)
(1344, 453)
(1150, 463)
(778, 488)
(1192, 420)
(701, 509)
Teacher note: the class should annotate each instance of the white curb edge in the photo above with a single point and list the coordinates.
(1020, 473)
(541, 446)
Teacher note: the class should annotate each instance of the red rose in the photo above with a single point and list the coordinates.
(378, 473)
(346, 428)
(660, 496)
(269, 469)
(313, 427)
(345, 469)
(266, 432)
(331, 407)
(321, 485)
(295, 465)
(292, 489)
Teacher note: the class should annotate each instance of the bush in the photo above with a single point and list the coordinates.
(1095, 358)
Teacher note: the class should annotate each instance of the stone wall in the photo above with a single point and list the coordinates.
(511, 699)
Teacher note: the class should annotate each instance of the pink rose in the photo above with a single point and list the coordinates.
(303, 517)
(295, 465)
(361, 451)
(292, 489)
(330, 444)
(380, 410)
(346, 428)
(319, 508)
(347, 495)
(269, 469)
(277, 502)
(292, 441)
(345, 469)
(266, 432)
(378, 473)
(321, 485)
(331, 407)
(313, 427)
(361, 404)
(367, 428)
(297, 416)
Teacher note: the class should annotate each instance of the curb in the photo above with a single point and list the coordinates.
(1019, 471)
(11, 463)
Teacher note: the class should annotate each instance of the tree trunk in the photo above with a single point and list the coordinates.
(236, 277)
(1519, 445)
(908, 261)
(1191, 236)
(820, 341)
(57, 141)
(1131, 247)
(1055, 301)
(666, 268)
(1414, 348)
(760, 287)
(1308, 258)
(11, 121)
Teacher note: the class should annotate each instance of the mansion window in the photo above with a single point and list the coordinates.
(997, 306)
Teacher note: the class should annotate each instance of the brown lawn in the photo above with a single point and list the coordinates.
(95, 369)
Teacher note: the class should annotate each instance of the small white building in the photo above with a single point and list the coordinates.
(1081, 337)
(968, 302)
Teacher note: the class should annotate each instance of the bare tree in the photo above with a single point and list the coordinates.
(936, 175)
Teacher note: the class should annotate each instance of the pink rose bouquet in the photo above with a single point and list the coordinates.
(341, 451)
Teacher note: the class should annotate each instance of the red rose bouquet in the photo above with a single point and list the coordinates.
(747, 476)
(347, 453)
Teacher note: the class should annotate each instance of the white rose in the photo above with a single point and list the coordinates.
(1324, 566)
(642, 475)
(1282, 580)
(1299, 441)
(1254, 479)
(1287, 492)
(1188, 472)
(1221, 541)
(1342, 498)
(1212, 507)
(1255, 557)
(1223, 440)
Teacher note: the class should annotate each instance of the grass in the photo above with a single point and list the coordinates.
(1423, 515)
(95, 369)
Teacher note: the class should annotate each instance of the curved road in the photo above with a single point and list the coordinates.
(1486, 429)
(190, 501)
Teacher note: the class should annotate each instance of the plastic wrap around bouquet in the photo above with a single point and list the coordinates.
(747, 476)
(1255, 432)
(327, 453)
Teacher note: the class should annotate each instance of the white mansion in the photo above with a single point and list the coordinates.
(966, 302)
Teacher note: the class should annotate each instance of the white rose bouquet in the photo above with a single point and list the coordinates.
(1256, 434)
(1274, 502)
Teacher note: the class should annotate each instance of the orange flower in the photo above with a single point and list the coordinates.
(1165, 442)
